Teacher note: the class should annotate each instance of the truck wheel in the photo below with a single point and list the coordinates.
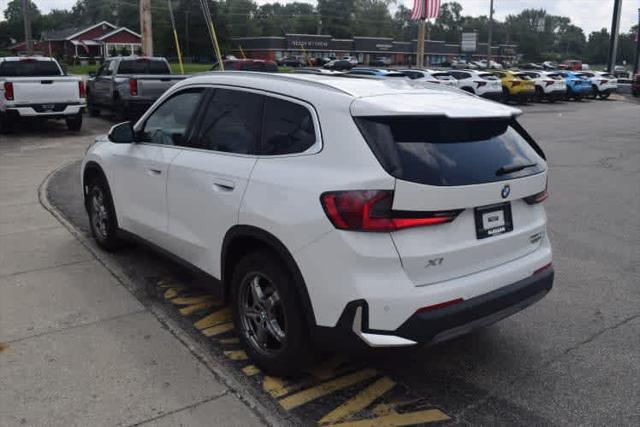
(268, 315)
(74, 123)
(91, 107)
(6, 125)
(102, 215)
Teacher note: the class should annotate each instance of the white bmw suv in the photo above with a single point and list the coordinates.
(332, 209)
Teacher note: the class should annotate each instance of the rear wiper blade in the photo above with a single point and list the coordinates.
(513, 168)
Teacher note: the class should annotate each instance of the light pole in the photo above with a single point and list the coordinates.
(490, 35)
(613, 42)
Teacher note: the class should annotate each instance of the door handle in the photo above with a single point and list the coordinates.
(223, 185)
(154, 171)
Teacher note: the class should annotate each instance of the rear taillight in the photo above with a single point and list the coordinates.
(8, 91)
(81, 89)
(603, 81)
(548, 82)
(480, 84)
(439, 305)
(542, 269)
(537, 198)
(370, 210)
(133, 87)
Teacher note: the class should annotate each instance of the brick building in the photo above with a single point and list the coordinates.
(98, 41)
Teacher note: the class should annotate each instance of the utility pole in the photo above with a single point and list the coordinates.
(27, 27)
(186, 30)
(636, 65)
(145, 27)
(490, 35)
(613, 42)
(420, 46)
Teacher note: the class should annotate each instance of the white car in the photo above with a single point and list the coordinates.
(479, 83)
(603, 83)
(550, 86)
(37, 87)
(430, 76)
(351, 59)
(332, 210)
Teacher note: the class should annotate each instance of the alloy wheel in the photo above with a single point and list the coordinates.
(262, 314)
(99, 214)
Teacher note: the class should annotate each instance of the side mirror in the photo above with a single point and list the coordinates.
(92, 74)
(122, 133)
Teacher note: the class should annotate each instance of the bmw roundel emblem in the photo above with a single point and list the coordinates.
(506, 190)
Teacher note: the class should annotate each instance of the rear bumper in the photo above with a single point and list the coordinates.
(556, 93)
(494, 96)
(36, 110)
(439, 325)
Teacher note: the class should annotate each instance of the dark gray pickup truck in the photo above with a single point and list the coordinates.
(128, 85)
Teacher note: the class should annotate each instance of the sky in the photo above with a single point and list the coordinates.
(590, 15)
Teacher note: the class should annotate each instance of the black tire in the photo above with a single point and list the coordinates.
(7, 125)
(74, 123)
(104, 226)
(292, 352)
(594, 92)
(539, 96)
(505, 95)
(469, 90)
(91, 106)
(635, 93)
(604, 95)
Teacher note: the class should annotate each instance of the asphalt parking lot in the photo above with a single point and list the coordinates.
(573, 358)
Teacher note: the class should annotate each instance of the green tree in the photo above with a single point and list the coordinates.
(337, 17)
(372, 18)
(598, 46)
(14, 27)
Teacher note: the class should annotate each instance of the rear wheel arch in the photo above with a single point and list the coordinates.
(242, 240)
(92, 172)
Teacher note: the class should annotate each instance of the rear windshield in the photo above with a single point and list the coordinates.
(26, 68)
(555, 76)
(489, 76)
(442, 76)
(523, 76)
(442, 151)
(143, 66)
(607, 76)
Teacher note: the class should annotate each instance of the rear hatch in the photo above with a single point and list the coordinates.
(493, 82)
(527, 82)
(478, 171)
(558, 81)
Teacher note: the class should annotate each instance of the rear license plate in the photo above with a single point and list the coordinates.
(493, 220)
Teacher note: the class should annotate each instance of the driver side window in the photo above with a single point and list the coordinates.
(168, 124)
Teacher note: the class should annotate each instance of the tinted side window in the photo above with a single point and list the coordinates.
(168, 124)
(287, 128)
(231, 122)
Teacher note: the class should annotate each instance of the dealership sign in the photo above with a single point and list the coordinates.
(295, 41)
(469, 42)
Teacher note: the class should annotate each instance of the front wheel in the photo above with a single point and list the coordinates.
(74, 123)
(102, 215)
(268, 316)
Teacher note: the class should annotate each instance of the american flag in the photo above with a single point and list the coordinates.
(425, 9)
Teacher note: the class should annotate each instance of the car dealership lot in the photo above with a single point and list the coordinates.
(572, 358)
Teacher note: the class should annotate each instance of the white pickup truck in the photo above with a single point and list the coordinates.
(37, 87)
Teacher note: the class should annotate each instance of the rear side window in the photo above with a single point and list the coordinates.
(447, 152)
(143, 66)
(412, 74)
(29, 68)
(287, 128)
(231, 122)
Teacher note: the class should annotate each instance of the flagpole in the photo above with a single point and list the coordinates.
(420, 44)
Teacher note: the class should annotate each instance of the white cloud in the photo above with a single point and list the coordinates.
(590, 15)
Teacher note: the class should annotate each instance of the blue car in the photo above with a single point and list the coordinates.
(577, 86)
(376, 72)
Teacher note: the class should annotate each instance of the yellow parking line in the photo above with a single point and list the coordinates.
(383, 409)
(192, 300)
(190, 309)
(236, 355)
(323, 389)
(274, 386)
(393, 420)
(172, 293)
(230, 341)
(217, 330)
(250, 370)
(360, 401)
(215, 318)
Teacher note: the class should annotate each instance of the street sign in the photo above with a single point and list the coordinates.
(469, 42)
